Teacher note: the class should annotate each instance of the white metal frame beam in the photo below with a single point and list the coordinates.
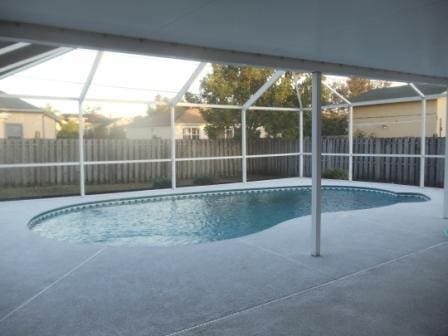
(91, 74)
(217, 106)
(24, 62)
(22, 67)
(12, 47)
(271, 81)
(188, 83)
(28, 32)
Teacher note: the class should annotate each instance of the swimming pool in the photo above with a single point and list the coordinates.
(200, 217)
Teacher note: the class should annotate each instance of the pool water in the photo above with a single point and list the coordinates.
(200, 217)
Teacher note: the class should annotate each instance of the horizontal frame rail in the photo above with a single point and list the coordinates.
(211, 158)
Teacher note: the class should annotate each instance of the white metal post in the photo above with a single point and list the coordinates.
(422, 133)
(423, 144)
(82, 182)
(445, 181)
(316, 149)
(350, 142)
(299, 98)
(301, 149)
(243, 146)
(173, 145)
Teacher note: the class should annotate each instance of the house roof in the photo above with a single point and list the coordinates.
(12, 104)
(162, 118)
(190, 116)
(16, 104)
(395, 92)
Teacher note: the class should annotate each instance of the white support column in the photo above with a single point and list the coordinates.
(350, 142)
(243, 146)
(423, 144)
(316, 149)
(82, 182)
(445, 181)
(422, 133)
(173, 145)
(299, 98)
(301, 149)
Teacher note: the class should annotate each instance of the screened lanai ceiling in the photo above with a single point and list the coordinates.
(398, 39)
(17, 56)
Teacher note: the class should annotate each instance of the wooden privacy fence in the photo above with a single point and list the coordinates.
(386, 169)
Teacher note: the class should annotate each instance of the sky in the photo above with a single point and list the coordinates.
(119, 76)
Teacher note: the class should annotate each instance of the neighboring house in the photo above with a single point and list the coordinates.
(189, 125)
(21, 120)
(381, 116)
(95, 121)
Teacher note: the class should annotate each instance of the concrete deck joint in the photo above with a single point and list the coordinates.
(58, 280)
(277, 254)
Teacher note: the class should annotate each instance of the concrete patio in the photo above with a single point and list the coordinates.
(383, 271)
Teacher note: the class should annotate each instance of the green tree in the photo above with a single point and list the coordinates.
(68, 130)
(233, 85)
(356, 86)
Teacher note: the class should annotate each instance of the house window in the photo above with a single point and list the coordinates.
(190, 133)
(13, 131)
(229, 132)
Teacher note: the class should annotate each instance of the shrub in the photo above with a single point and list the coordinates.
(161, 182)
(203, 180)
(335, 174)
